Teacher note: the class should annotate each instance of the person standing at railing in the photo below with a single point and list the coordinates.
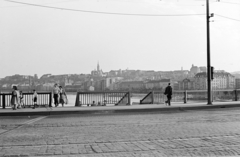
(56, 92)
(168, 93)
(63, 96)
(21, 100)
(35, 95)
(15, 98)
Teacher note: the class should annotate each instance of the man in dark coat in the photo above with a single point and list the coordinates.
(168, 93)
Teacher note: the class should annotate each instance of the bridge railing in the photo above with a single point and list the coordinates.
(157, 97)
(44, 98)
(102, 98)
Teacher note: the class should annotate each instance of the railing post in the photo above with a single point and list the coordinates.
(185, 97)
(50, 99)
(0, 99)
(129, 98)
(152, 97)
(77, 100)
(3, 101)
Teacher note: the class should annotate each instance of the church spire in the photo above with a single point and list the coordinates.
(98, 67)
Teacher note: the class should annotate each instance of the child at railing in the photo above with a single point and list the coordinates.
(21, 102)
(34, 99)
(93, 103)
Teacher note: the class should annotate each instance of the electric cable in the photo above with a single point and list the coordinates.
(65, 1)
(228, 17)
(99, 12)
(228, 2)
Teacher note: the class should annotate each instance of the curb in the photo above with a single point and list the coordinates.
(120, 111)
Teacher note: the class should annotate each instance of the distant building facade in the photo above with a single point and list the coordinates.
(109, 83)
(187, 84)
(157, 84)
(222, 80)
(131, 85)
(194, 69)
(203, 69)
(237, 82)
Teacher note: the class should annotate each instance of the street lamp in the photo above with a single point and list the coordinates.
(208, 54)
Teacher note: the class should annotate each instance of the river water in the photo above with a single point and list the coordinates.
(135, 99)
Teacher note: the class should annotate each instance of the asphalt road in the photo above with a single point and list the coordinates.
(188, 133)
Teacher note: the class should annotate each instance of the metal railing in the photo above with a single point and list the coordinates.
(126, 98)
(102, 98)
(44, 98)
(157, 97)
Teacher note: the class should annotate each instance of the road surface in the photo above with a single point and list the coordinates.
(188, 133)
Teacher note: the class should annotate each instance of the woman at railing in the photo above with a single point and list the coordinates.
(15, 98)
(63, 96)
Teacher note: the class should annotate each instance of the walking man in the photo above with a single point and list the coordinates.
(168, 93)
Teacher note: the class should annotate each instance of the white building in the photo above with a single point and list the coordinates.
(222, 80)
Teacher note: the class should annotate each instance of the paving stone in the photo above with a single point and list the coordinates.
(205, 133)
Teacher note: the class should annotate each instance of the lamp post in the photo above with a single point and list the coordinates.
(208, 55)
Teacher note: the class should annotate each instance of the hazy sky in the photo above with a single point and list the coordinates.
(40, 40)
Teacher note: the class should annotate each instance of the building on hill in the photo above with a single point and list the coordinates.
(222, 80)
(63, 80)
(48, 85)
(97, 72)
(237, 83)
(187, 84)
(109, 83)
(157, 84)
(176, 85)
(35, 77)
(115, 72)
(194, 69)
(45, 76)
(203, 69)
(181, 72)
(24, 85)
(132, 85)
(200, 80)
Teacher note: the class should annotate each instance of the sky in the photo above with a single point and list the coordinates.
(160, 35)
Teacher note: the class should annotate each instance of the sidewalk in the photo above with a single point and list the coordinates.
(117, 109)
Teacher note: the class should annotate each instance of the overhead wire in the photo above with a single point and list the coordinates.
(228, 2)
(219, 1)
(227, 17)
(100, 12)
(64, 1)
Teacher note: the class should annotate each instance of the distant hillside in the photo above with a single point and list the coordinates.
(235, 72)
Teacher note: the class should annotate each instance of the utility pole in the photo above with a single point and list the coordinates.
(208, 55)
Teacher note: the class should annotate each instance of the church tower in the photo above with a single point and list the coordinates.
(98, 67)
